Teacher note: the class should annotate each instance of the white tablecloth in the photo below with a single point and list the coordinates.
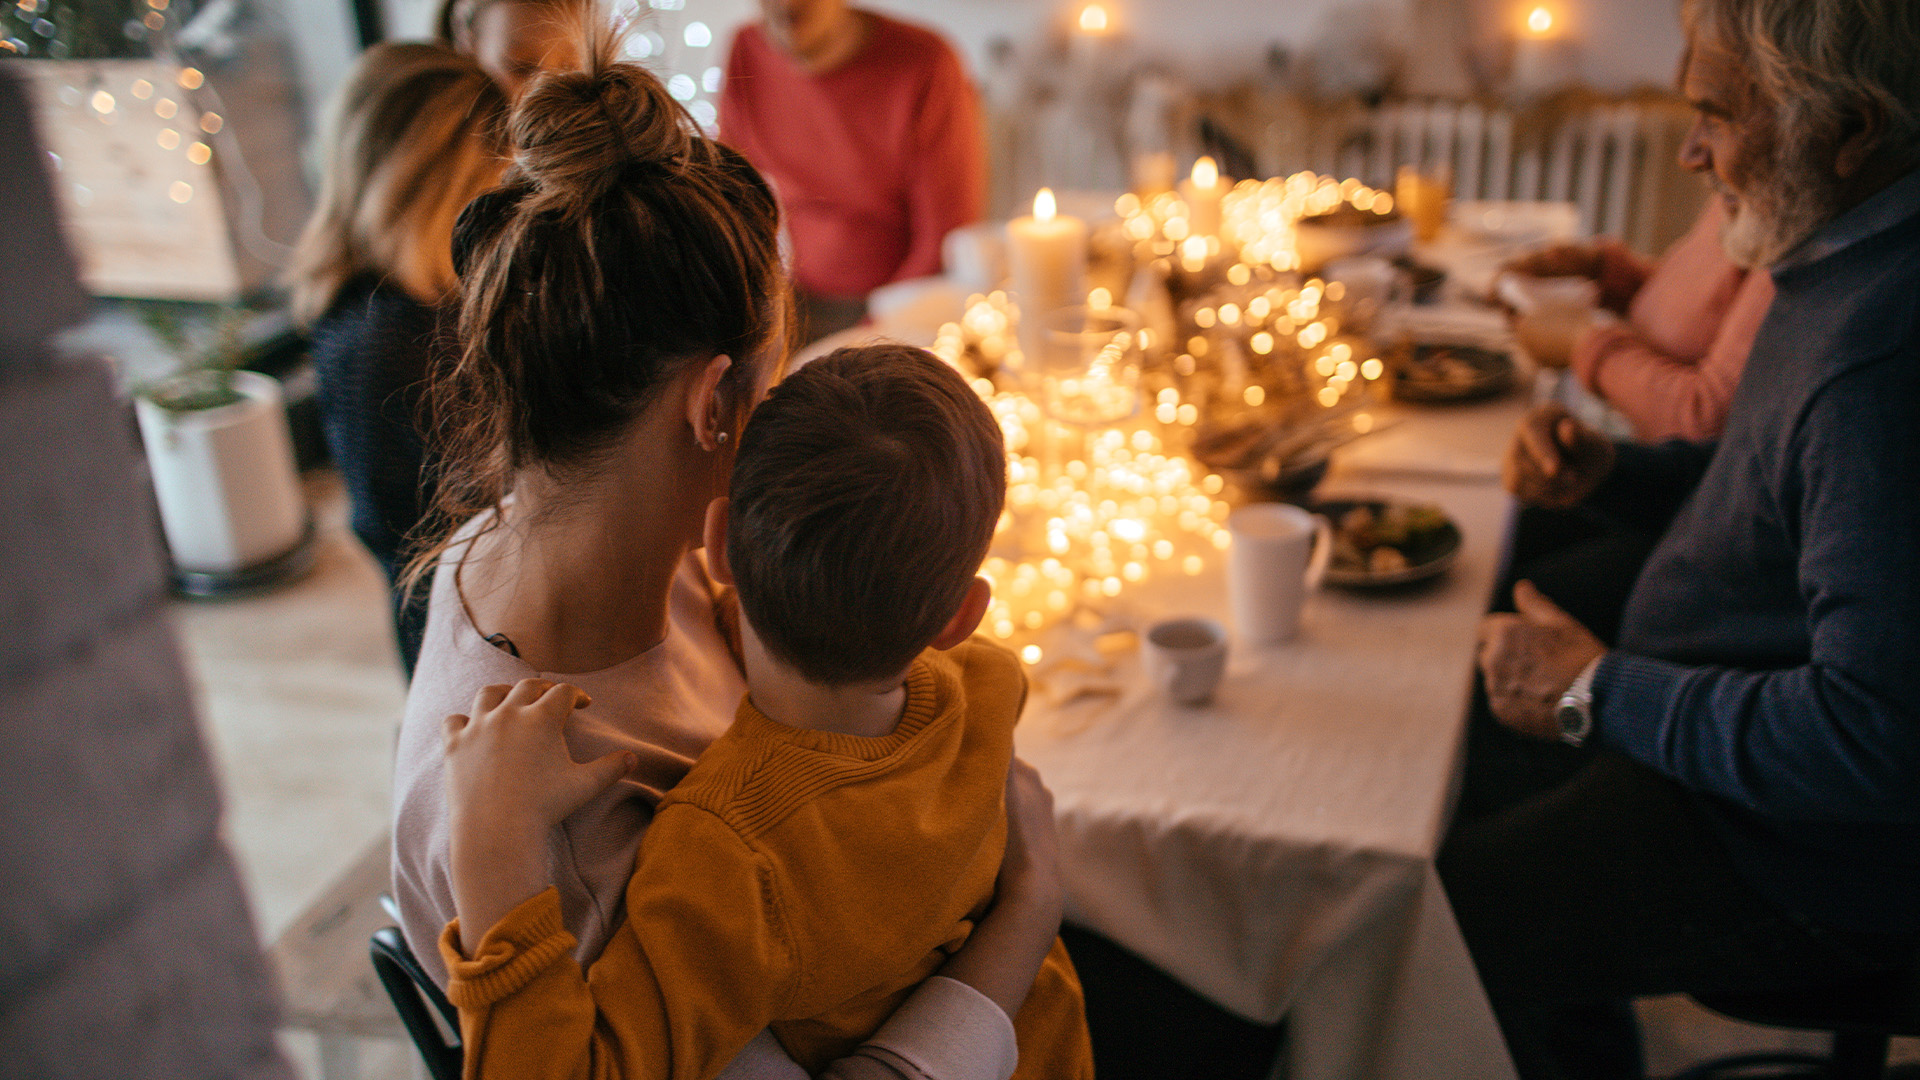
(1274, 849)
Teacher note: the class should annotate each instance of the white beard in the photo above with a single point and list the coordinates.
(1746, 237)
(1779, 210)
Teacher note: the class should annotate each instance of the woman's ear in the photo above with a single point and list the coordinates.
(973, 608)
(715, 535)
(706, 412)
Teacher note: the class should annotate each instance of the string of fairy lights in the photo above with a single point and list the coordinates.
(683, 49)
(1093, 511)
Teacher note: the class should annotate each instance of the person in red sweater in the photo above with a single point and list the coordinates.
(1670, 363)
(870, 131)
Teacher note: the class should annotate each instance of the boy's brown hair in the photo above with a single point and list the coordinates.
(864, 498)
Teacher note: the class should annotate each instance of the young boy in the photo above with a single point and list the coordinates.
(830, 850)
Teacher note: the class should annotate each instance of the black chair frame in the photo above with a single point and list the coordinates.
(1862, 1016)
(429, 1017)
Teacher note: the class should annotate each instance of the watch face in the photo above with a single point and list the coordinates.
(1574, 720)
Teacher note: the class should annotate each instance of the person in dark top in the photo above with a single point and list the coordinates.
(416, 132)
(1744, 808)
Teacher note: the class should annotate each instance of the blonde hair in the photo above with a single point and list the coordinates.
(1821, 60)
(414, 134)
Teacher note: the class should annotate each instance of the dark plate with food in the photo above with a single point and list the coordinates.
(1444, 372)
(1382, 542)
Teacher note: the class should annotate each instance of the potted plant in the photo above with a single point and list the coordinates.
(222, 463)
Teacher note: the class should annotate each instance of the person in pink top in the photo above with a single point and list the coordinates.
(1689, 320)
(870, 132)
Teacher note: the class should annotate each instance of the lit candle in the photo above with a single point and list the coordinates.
(1203, 192)
(1543, 60)
(1047, 257)
(1092, 47)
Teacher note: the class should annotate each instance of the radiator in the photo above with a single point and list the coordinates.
(1615, 161)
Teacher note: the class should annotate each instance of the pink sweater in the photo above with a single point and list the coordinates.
(1671, 367)
(875, 161)
(665, 705)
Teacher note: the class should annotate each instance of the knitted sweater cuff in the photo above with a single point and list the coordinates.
(511, 954)
(1632, 696)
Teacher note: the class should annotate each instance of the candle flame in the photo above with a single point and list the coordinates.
(1093, 19)
(1043, 205)
(1540, 20)
(1206, 173)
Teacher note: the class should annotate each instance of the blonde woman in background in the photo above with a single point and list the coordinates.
(415, 134)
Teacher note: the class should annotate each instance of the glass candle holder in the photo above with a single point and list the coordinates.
(1089, 373)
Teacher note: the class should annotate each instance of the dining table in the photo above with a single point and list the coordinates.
(1273, 848)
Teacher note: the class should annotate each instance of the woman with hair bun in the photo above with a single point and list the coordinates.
(623, 308)
(417, 131)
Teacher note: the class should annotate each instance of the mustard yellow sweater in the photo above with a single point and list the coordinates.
(797, 879)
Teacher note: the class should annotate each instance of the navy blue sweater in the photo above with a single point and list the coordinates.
(372, 351)
(1769, 657)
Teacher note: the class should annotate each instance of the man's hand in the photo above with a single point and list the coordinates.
(510, 780)
(1554, 460)
(1529, 659)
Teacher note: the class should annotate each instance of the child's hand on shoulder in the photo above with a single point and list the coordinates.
(508, 762)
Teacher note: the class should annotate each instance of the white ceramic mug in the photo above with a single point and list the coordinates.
(1185, 658)
(1279, 555)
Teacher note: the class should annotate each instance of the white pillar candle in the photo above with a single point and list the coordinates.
(1089, 46)
(1047, 259)
(1544, 59)
(1202, 193)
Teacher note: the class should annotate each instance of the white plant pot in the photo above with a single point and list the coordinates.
(228, 490)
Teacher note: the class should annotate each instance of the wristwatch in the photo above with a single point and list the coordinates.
(1575, 711)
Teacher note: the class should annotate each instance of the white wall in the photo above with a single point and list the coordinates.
(1621, 43)
(321, 37)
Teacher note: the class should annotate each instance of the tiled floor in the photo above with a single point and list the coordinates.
(301, 693)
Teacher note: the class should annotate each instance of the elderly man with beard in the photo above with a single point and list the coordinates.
(1743, 808)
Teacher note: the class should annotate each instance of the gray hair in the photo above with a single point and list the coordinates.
(1822, 59)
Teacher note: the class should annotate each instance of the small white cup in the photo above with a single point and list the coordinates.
(1185, 658)
(1279, 555)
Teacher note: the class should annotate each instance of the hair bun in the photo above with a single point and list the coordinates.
(578, 131)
